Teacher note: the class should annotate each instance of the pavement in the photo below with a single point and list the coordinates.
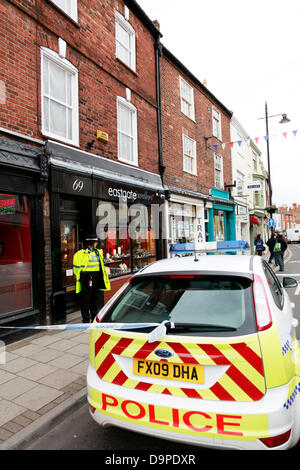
(42, 379)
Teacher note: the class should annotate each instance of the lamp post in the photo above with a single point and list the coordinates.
(283, 120)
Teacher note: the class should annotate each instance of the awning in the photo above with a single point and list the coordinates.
(254, 220)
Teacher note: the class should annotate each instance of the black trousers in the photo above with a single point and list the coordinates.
(91, 297)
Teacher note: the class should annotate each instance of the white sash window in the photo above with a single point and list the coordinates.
(59, 97)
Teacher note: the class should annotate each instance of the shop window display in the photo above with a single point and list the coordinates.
(15, 254)
(125, 249)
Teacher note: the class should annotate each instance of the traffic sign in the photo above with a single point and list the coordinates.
(271, 222)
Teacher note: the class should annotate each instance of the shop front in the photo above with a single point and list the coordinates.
(185, 218)
(221, 220)
(22, 283)
(242, 223)
(94, 195)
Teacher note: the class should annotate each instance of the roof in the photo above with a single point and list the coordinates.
(226, 264)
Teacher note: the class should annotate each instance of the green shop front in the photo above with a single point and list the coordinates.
(221, 216)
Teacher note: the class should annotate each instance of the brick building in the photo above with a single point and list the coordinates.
(78, 128)
(196, 156)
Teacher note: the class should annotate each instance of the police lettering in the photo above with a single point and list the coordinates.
(197, 421)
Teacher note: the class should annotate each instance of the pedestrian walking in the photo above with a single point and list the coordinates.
(91, 278)
(279, 249)
(259, 245)
(271, 243)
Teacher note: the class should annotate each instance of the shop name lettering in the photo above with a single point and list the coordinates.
(124, 195)
(196, 421)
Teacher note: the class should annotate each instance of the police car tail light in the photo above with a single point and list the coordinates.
(276, 441)
(261, 304)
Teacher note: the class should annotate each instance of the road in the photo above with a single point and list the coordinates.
(79, 432)
(292, 266)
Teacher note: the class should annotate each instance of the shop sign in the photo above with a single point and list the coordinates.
(126, 194)
(254, 185)
(181, 210)
(71, 184)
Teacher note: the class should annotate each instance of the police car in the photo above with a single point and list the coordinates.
(216, 362)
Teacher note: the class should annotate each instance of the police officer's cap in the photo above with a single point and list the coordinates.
(91, 238)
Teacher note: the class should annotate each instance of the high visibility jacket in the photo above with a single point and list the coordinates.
(86, 260)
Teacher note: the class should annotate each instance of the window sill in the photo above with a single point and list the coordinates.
(128, 162)
(60, 140)
(190, 173)
(190, 118)
(75, 22)
(127, 66)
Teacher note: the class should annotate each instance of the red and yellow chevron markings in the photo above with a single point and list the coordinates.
(242, 380)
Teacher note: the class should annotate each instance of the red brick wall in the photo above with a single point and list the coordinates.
(116, 284)
(175, 123)
(26, 26)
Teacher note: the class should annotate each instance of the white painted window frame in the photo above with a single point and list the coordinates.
(216, 118)
(190, 102)
(71, 11)
(49, 55)
(121, 22)
(192, 156)
(218, 168)
(122, 102)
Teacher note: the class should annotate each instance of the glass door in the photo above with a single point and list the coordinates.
(69, 244)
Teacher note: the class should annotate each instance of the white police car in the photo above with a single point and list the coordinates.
(222, 369)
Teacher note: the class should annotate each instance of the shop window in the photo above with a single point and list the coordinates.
(182, 223)
(59, 97)
(219, 227)
(15, 254)
(126, 247)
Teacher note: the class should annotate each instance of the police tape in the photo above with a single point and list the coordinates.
(159, 330)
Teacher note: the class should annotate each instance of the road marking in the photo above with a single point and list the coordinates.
(297, 291)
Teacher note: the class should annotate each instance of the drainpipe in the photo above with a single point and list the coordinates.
(161, 166)
(158, 53)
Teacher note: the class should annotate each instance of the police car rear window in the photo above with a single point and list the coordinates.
(206, 305)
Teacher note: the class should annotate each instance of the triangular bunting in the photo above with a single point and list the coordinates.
(239, 142)
(256, 139)
(295, 132)
(266, 137)
(284, 134)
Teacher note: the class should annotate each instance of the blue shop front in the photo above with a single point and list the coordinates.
(221, 217)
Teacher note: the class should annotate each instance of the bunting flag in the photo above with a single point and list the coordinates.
(256, 139)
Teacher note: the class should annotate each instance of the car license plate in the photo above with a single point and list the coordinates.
(169, 370)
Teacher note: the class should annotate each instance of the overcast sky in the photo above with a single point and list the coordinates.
(249, 53)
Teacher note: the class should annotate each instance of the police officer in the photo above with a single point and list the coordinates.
(91, 278)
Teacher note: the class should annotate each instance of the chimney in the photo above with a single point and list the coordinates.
(156, 24)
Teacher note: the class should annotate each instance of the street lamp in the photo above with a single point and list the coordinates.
(284, 120)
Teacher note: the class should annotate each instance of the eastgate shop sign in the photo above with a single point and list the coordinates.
(122, 194)
(127, 195)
